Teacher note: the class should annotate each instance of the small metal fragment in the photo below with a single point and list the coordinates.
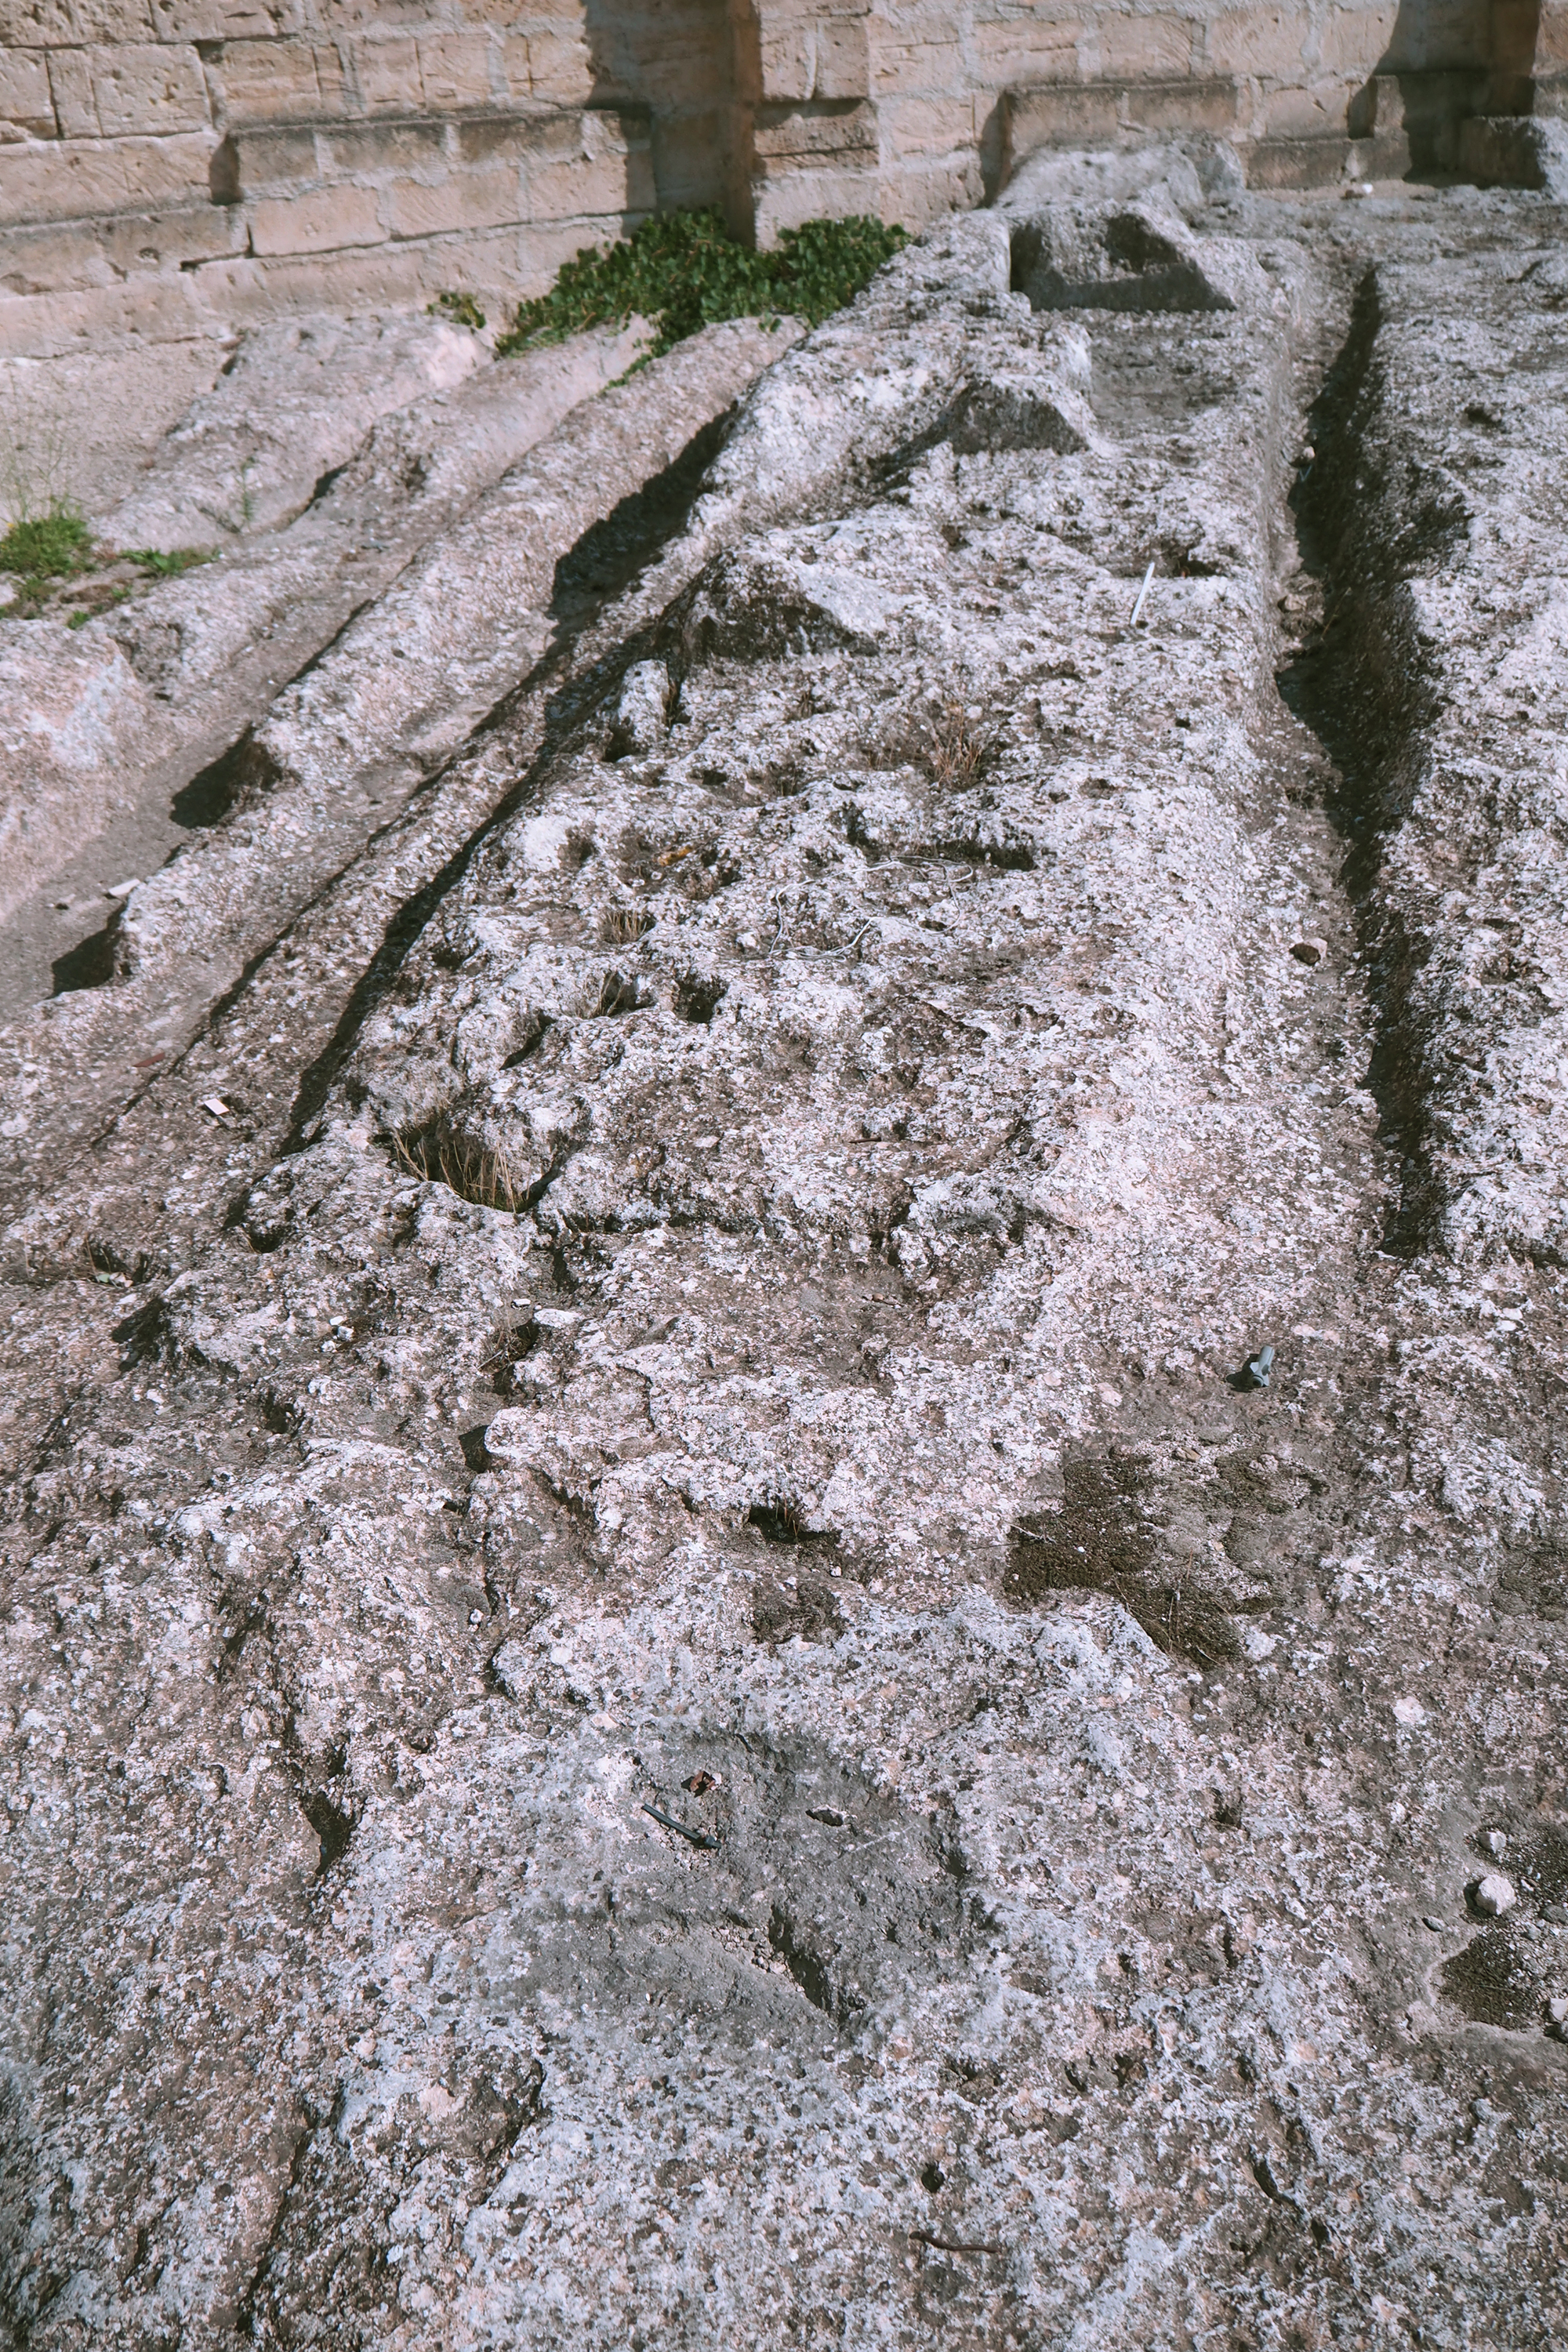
(1137, 608)
(697, 1837)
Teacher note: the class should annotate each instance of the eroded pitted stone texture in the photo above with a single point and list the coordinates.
(349, 741)
(701, 1694)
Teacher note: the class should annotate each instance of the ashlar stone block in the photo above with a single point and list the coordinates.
(1267, 44)
(1318, 112)
(225, 20)
(155, 87)
(71, 87)
(385, 72)
(25, 96)
(488, 198)
(1352, 41)
(265, 162)
(317, 223)
(560, 66)
(1145, 48)
(70, 253)
(1212, 104)
(75, 179)
(927, 127)
(1066, 113)
(72, 24)
(783, 133)
(603, 176)
(817, 58)
(917, 67)
(1014, 53)
(276, 82)
(383, 151)
(785, 200)
(460, 68)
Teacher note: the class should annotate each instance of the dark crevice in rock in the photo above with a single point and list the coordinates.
(609, 556)
(335, 1826)
(698, 997)
(212, 793)
(805, 1966)
(246, 2317)
(779, 1523)
(1360, 684)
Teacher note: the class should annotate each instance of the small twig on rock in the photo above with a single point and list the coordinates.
(953, 2245)
(697, 1837)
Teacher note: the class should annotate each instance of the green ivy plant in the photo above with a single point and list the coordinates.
(684, 270)
(461, 308)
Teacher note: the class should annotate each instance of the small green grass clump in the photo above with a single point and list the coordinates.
(684, 270)
(48, 546)
(167, 563)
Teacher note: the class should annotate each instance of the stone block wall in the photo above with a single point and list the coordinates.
(174, 166)
(169, 166)
(925, 105)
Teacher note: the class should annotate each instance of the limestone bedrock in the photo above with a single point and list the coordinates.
(678, 1673)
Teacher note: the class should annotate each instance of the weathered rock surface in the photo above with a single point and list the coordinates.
(150, 693)
(770, 1580)
(294, 402)
(342, 750)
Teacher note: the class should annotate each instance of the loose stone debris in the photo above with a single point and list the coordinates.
(663, 1686)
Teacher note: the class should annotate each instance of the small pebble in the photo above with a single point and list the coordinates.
(1493, 1895)
(1309, 951)
(1432, 1921)
(1495, 1842)
(1557, 2010)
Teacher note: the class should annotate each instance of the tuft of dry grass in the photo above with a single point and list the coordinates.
(438, 1154)
(955, 750)
(623, 925)
(950, 746)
